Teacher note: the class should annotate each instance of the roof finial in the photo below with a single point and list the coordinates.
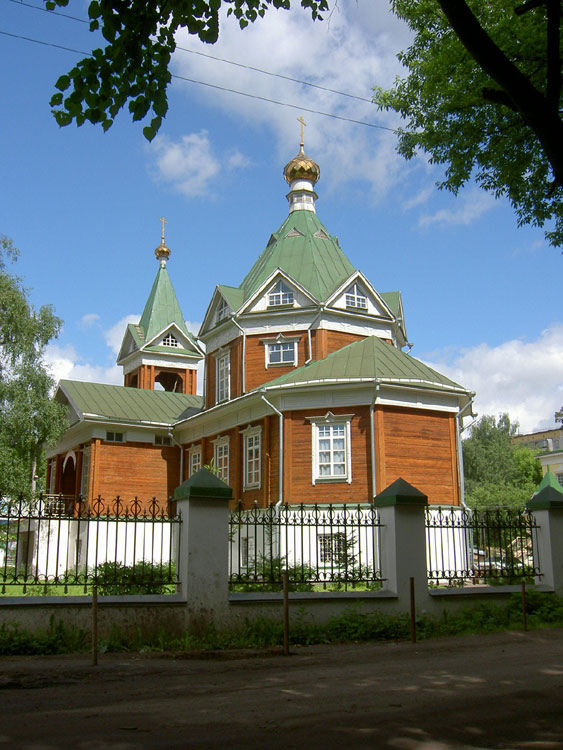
(303, 123)
(162, 252)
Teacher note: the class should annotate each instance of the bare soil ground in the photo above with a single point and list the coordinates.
(496, 691)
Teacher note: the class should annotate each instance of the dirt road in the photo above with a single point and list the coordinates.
(496, 691)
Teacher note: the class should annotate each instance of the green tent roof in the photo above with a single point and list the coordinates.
(162, 308)
(304, 249)
(369, 359)
(117, 403)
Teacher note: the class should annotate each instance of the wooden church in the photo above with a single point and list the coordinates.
(308, 394)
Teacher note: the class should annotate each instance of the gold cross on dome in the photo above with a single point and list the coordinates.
(163, 222)
(302, 121)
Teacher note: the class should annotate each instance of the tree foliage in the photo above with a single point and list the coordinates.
(133, 67)
(482, 96)
(29, 418)
(497, 472)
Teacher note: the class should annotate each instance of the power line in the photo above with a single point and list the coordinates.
(216, 86)
(219, 59)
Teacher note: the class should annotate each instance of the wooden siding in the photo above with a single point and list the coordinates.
(338, 339)
(255, 359)
(131, 470)
(420, 447)
(298, 486)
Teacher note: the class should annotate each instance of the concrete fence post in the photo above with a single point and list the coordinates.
(203, 502)
(547, 509)
(403, 541)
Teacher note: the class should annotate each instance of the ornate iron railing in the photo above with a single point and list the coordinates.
(475, 546)
(322, 547)
(60, 540)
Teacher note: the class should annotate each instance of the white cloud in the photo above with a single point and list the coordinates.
(114, 335)
(523, 378)
(190, 164)
(87, 321)
(350, 51)
(468, 207)
(66, 363)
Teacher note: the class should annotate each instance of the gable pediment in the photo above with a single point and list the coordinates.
(279, 292)
(358, 296)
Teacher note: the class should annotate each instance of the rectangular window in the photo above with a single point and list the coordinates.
(114, 437)
(252, 460)
(223, 377)
(247, 551)
(162, 440)
(221, 460)
(195, 461)
(53, 473)
(332, 548)
(281, 354)
(331, 448)
(85, 477)
(560, 478)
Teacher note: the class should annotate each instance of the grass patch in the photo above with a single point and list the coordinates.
(353, 626)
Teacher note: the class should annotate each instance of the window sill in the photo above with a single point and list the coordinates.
(280, 307)
(281, 364)
(331, 480)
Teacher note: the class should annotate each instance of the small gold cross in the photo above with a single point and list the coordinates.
(302, 121)
(163, 222)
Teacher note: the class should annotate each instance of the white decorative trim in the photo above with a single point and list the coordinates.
(219, 443)
(70, 454)
(249, 433)
(331, 419)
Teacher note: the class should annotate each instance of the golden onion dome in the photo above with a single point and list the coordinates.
(162, 252)
(301, 167)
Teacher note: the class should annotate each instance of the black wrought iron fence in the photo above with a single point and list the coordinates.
(322, 547)
(65, 542)
(469, 546)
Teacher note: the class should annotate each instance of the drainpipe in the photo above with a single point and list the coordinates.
(243, 374)
(171, 436)
(372, 440)
(315, 321)
(460, 469)
(280, 415)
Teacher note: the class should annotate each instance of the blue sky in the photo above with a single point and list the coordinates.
(481, 296)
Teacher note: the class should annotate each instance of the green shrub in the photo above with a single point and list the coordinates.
(114, 578)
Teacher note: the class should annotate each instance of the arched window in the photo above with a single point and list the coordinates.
(280, 294)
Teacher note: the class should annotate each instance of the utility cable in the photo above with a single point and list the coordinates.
(216, 86)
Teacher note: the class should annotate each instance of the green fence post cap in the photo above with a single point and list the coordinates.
(400, 493)
(203, 484)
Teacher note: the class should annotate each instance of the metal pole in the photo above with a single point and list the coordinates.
(285, 579)
(94, 626)
(413, 615)
(524, 624)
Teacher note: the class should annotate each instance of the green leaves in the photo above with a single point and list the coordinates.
(447, 116)
(133, 67)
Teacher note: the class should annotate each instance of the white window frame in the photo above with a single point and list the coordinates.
(221, 457)
(252, 438)
(356, 298)
(114, 437)
(223, 310)
(281, 295)
(559, 477)
(172, 341)
(281, 340)
(194, 460)
(290, 346)
(319, 426)
(163, 441)
(85, 472)
(222, 376)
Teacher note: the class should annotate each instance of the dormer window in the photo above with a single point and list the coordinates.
(223, 311)
(356, 298)
(170, 340)
(280, 294)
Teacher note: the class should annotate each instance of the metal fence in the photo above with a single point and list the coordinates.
(58, 540)
(322, 547)
(475, 546)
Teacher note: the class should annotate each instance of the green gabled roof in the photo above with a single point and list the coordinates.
(549, 480)
(369, 359)
(302, 248)
(118, 403)
(393, 301)
(233, 295)
(162, 308)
